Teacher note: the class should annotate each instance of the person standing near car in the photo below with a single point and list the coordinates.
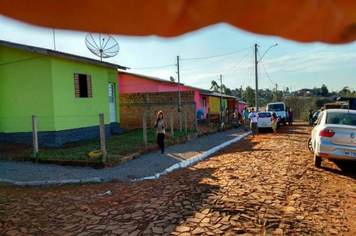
(253, 119)
(290, 116)
(274, 123)
(310, 115)
(245, 116)
(160, 127)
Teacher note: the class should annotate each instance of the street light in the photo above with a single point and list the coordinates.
(256, 75)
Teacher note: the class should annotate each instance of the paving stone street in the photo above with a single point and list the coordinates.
(265, 185)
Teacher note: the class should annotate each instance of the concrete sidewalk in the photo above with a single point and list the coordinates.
(148, 166)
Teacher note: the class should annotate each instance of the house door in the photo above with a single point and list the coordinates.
(112, 102)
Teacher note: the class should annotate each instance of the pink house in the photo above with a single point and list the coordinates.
(241, 106)
(136, 83)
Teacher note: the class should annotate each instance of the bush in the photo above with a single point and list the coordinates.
(300, 106)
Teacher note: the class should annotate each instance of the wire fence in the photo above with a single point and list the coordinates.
(77, 138)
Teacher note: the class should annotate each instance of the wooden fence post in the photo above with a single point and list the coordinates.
(185, 121)
(102, 138)
(34, 137)
(144, 127)
(209, 116)
(171, 119)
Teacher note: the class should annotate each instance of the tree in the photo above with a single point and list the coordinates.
(236, 92)
(228, 92)
(345, 91)
(223, 89)
(324, 90)
(249, 95)
(316, 91)
(214, 86)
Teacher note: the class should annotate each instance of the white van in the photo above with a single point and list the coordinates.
(280, 109)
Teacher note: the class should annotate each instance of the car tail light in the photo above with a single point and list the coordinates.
(326, 133)
(323, 154)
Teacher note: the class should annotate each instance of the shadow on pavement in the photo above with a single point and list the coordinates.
(147, 206)
(344, 172)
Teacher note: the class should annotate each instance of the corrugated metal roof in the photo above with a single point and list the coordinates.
(214, 94)
(59, 54)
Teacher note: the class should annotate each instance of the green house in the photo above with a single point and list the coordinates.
(65, 92)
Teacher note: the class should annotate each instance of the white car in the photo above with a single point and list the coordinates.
(333, 136)
(264, 120)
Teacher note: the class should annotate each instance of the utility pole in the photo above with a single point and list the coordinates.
(221, 100)
(283, 94)
(256, 79)
(276, 93)
(54, 40)
(241, 93)
(179, 110)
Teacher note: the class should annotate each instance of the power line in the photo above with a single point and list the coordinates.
(155, 67)
(265, 68)
(237, 62)
(231, 67)
(249, 70)
(197, 58)
(221, 55)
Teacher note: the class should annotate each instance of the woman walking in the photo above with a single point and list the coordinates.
(161, 126)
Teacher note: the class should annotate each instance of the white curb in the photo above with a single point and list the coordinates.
(183, 164)
(56, 182)
(194, 159)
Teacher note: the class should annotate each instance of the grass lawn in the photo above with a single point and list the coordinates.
(117, 147)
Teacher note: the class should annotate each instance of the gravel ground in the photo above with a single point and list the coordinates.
(146, 165)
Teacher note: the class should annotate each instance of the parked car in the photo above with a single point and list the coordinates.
(280, 109)
(264, 120)
(333, 136)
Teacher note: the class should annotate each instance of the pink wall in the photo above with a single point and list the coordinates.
(199, 98)
(134, 84)
(241, 106)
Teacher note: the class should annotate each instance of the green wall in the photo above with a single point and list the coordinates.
(37, 84)
(25, 90)
(71, 112)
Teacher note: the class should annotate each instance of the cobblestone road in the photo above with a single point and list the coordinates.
(261, 186)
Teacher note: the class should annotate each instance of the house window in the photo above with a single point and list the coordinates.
(82, 85)
(204, 101)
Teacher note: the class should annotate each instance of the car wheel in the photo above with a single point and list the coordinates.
(310, 146)
(317, 161)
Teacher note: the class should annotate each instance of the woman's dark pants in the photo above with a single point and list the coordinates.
(160, 141)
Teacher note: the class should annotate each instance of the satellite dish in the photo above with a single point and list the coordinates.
(102, 45)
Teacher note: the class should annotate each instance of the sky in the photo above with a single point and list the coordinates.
(290, 64)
